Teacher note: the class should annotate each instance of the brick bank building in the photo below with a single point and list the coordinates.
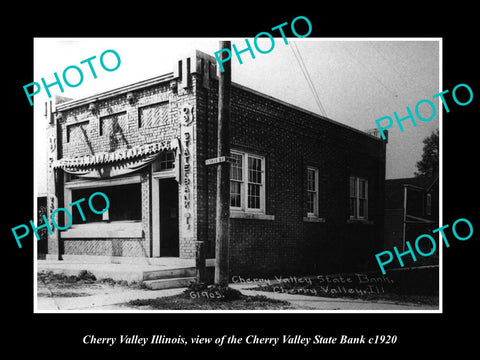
(306, 192)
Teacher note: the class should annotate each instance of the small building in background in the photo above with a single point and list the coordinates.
(411, 209)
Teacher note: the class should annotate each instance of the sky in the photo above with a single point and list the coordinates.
(357, 81)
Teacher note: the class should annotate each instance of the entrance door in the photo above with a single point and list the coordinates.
(169, 242)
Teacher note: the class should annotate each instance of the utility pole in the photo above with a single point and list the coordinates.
(223, 173)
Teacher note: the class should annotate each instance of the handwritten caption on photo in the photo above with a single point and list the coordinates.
(335, 285)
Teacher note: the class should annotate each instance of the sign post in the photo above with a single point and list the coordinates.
(222, 238)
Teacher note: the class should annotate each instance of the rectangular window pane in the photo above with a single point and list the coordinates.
(254, 196)
(311, 183)
(311, 202)
(236, 177)
(362, 208)
(236, 167)
(353, 207)
(254, 170)
(353, 187)
(235, 191)
(312, 191)
(165, 161)
(358, 197)
(362, 188)
(254, 182)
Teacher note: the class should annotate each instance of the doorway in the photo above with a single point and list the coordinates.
(169, 222)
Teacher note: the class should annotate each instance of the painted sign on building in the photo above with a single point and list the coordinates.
(186, 117)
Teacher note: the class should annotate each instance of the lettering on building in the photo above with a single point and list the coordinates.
(186, 118)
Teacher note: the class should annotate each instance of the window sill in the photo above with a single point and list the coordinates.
(360, 221)
(313, 219)
(114, 229)
(249, 215)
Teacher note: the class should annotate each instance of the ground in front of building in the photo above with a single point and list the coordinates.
(84, 292)
(418, 285)
(59, 288)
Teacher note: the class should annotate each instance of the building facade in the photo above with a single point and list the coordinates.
(306, 192)
(411, 209)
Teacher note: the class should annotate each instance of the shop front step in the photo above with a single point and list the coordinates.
(169, 283)
(169, 273)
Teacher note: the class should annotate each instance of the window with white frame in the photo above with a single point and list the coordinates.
(358, 198)
(247, 182)
(236, 180)
(312, 191)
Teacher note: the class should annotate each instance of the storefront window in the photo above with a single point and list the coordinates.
(125, 203)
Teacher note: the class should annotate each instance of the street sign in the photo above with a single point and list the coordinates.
(218, 160)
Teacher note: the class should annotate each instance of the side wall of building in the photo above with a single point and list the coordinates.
(289, 139)
(393, 228)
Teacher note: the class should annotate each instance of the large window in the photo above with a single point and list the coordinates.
(358, 198)
(125, 203)
(247, 182)
(123, 193)
(312, 191)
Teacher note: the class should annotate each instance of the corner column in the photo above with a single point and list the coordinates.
(54, 180)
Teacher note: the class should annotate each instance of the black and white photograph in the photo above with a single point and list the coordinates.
(180, 181)
(129, 176)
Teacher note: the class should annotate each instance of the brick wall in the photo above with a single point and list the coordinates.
(134, 247)
(393, 228)
(117, 124)
(290, 140)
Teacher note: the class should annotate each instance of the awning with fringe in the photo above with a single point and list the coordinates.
(116, 163)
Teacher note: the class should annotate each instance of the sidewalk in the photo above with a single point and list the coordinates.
(116, 271)
(115, 300)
